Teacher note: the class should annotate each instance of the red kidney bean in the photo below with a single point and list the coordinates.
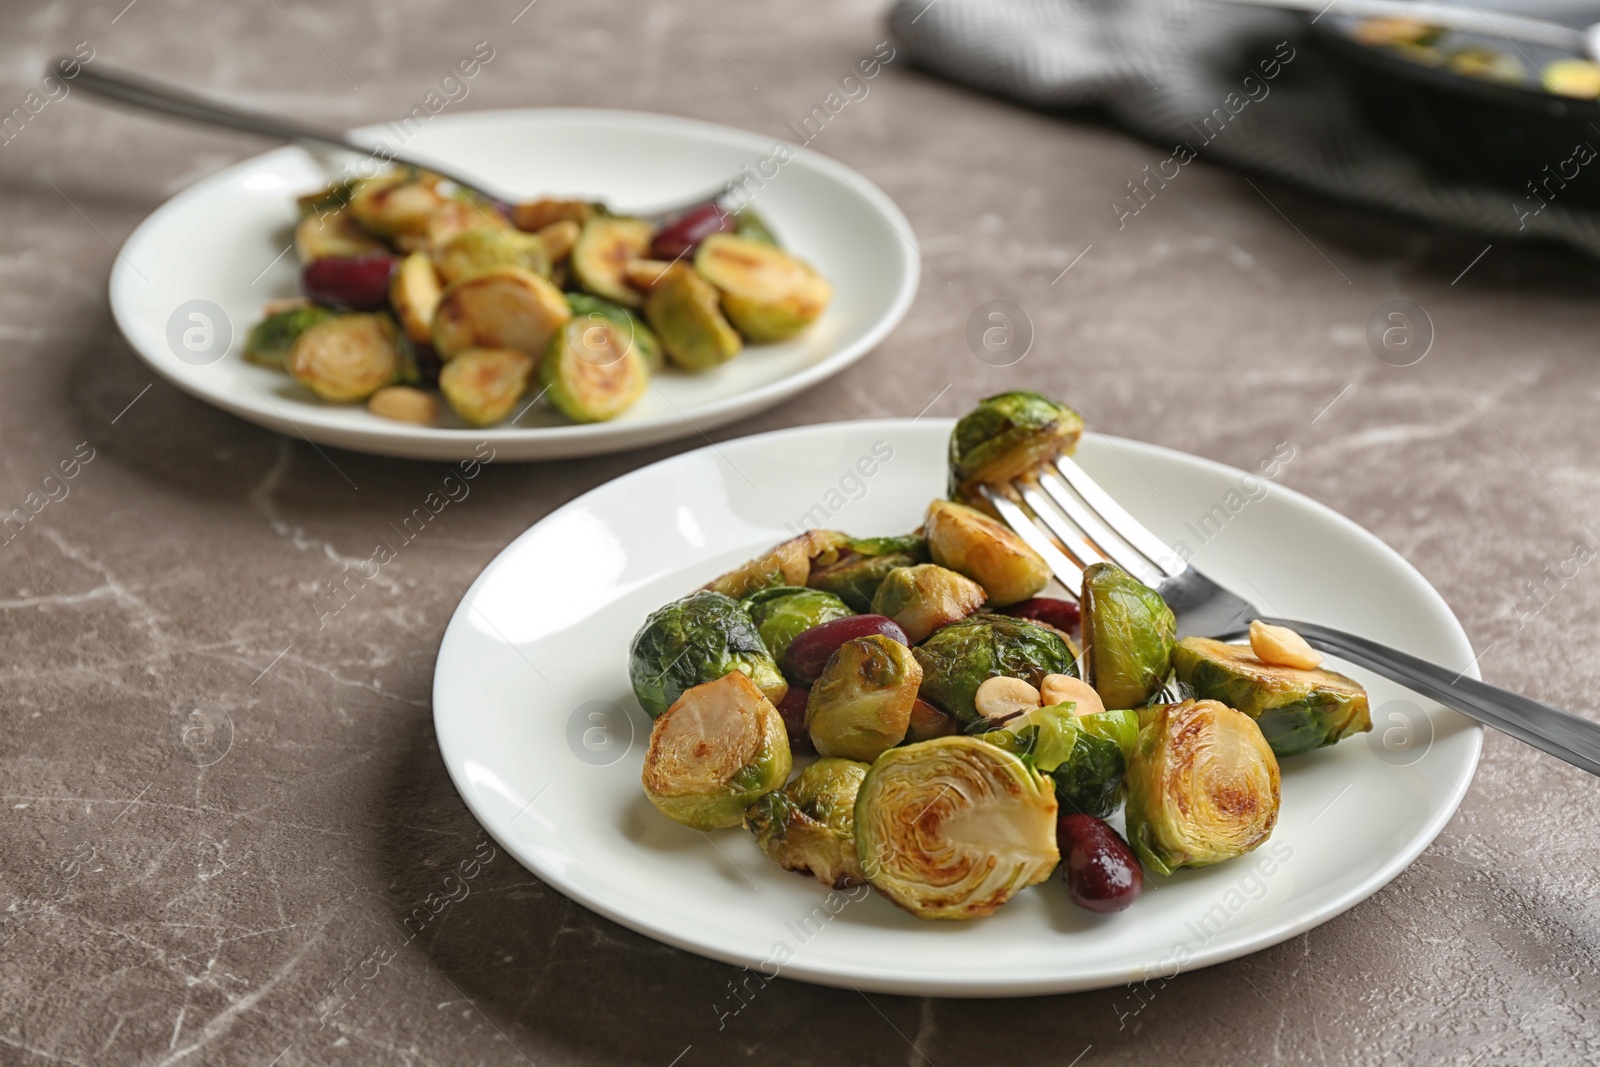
(355, 283)
(1101, 872)
(809, 652)
(1062, 614)
(683, 235)
(793, 709)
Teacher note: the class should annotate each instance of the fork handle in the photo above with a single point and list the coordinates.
(1560, 733)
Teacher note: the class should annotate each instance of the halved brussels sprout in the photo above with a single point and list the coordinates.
(600, 258)
(699, 638)
(483, 385)
(396, 204)
(348, 357)
(719, 748)
(958, 658)
(784, 612)
(861, 705)
(1085, 756)
(767, 294)
(505, 308)
(809, 825)
(971, 543)
(272, 339)
(537, 214)
(457, 217)
(333, 233)
(1297, 710)
(925, 597)
(785, 564)
(683, 310)
(1202, 786)
(481, 249)
(955, 827)
(928, 722)
(592, 372)
(559, 238)
(859, 566)
(643, 274)
(1007, 435)
(632, 327)
(1128, 636)
(414, 293)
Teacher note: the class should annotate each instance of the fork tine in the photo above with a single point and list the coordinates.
(1107, 543)
(1066, 571)
(1127, 527)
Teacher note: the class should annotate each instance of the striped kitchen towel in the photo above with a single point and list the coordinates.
(1206, 78)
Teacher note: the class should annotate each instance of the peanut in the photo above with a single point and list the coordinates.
(1282, 647)
(404, 404)
(1001, 698)
(1065, 689)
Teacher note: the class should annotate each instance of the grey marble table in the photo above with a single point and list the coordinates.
(251, 910)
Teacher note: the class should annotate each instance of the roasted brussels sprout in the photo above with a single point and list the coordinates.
(483, 385)
(971, 543)
(719, 748)
(396, 204)
(272, 339)
(643, 339)
(348, 357)
(1297, 710)
(457, 217)
(1128, 636)
(329, 198)
(1085, 756)
(784, 612)
(928, 722)
(747, 223)
(559, 238)
(1202, 786)
(809, 825)
(786, 564)
(955, 827)
(859, 565)
(605, 246)
(505, 308)
(537, 214)
(333, 233)
(861, 705)
(683, 310)
(701, 637)
(957, 659)
(767, 294)
(414, 294)
(484, 248)
(591, 372)
(925, 597)
(1007, 435)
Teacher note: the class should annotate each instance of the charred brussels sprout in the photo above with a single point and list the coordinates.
(632, 327)
(483, 385)
(272, 339)
(751, 226)
(970, 542)
(809, 825)
(786, 564)
(591, 372)
(719, 748)
(396, 204)
(332, 233)
(1297, 710)
(955, 827)
(504, 308)
(537, 214)
(1007, 435)
(925, 597)
(695, 640)
(348, 357)
(958, 658)
(414, 294)
(683, 310)
(767, 294)
(484, 248)
(1202, 786)
(1128, 636)
(860, 565)
(862, 703)
(1085, 756)
(784, 612)
(606, 245)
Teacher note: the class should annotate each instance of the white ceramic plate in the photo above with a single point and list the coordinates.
(216, 242)
(542, 735)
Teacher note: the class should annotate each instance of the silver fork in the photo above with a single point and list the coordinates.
(1072, 522)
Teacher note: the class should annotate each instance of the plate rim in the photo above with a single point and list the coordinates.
(938, 985)
(520, 444)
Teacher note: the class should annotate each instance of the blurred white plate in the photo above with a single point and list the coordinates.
(541, 733)
(219, 242)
